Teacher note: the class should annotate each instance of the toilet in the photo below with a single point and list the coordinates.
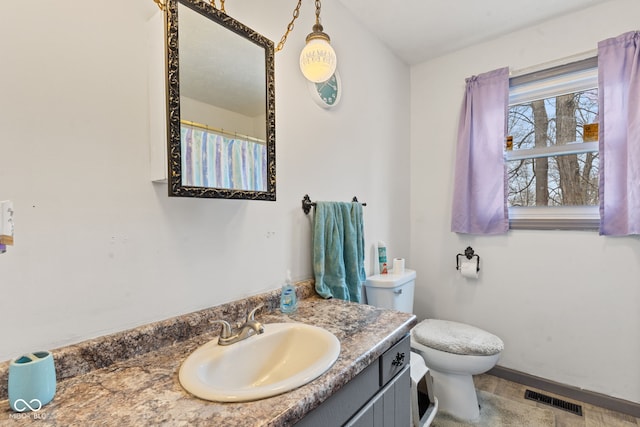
(453, 352)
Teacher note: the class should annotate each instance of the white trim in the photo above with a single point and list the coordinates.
(555, 63)
(554, 150)
(554, 217)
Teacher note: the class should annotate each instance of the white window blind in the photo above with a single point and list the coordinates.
(559, 80)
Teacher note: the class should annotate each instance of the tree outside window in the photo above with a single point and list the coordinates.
(556, 179)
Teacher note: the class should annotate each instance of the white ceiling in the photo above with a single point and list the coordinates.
(419, 30)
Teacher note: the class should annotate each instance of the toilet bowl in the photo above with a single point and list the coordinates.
(453, 352)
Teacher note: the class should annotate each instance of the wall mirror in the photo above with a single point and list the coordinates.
(221, 105)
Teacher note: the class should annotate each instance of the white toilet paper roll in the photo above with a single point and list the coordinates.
(398, 265)
(469, 268)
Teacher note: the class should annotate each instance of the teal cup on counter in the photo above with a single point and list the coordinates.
(32, 381)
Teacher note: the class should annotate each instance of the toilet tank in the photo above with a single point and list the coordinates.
(393, 291)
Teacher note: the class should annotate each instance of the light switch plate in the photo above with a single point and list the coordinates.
(6, 222)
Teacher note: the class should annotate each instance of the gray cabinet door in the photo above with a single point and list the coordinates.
(340, 407)
(391, 407)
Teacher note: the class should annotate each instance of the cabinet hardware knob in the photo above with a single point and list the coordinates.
(399, 360)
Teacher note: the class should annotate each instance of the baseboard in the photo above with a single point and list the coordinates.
(586, 396)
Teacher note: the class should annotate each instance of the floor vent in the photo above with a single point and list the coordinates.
(553, 401)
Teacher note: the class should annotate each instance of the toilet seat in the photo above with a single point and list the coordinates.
(456, 338)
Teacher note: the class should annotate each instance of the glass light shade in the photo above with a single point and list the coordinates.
(318, 60)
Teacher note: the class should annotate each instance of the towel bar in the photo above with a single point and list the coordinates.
(307, 203)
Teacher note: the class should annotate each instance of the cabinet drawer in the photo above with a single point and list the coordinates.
(394, 360)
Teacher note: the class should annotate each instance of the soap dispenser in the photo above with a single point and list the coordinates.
(288, 299)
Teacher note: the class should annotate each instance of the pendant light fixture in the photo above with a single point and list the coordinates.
(318, 59)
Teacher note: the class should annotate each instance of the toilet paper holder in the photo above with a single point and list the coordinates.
(469, 253)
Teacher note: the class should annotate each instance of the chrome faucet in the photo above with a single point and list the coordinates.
(250, 327)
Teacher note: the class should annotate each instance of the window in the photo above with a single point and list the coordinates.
(552, 148)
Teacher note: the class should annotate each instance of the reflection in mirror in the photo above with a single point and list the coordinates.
(221, 105)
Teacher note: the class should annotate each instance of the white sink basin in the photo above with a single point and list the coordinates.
(284, 357)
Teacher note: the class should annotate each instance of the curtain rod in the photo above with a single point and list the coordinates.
(222, 131)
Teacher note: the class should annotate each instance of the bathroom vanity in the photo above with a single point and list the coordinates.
(131, 378)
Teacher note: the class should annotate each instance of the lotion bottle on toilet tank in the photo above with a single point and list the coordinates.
(382, 258)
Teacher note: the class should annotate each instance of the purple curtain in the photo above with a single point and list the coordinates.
(480, 186)
(619, 134)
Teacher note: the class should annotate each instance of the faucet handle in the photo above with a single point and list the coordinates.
(252, 313)
(226, 328)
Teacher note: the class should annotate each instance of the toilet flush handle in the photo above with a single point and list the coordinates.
(397, 291)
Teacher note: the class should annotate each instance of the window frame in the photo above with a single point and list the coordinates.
(553, 81)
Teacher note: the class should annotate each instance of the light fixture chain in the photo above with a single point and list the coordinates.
(283, 40)
(318, 7)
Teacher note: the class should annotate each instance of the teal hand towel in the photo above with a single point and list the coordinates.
(338, 250)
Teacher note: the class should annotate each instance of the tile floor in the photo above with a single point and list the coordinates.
(592, 416)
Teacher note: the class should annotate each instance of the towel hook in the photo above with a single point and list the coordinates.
(306, 204)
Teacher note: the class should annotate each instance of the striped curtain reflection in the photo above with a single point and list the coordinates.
(217, 161)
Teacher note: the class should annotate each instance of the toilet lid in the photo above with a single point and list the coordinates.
(457, 338)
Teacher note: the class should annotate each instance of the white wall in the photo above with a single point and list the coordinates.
(98, 247)
(566, 304)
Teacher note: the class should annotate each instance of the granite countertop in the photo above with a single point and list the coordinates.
(131, 378)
